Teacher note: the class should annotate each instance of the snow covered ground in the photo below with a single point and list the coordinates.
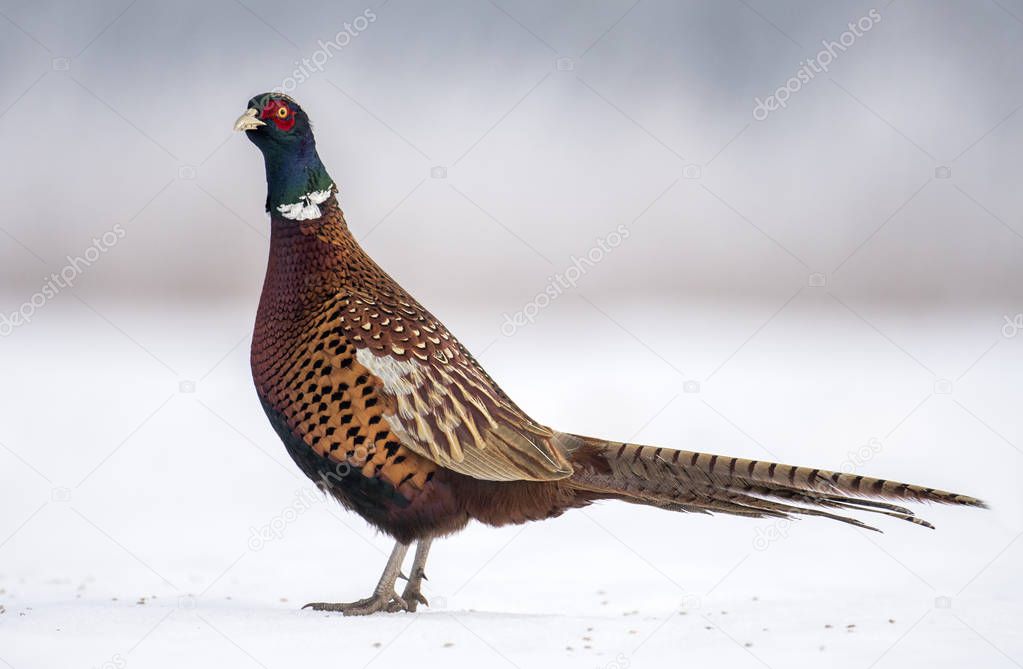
(150, 518)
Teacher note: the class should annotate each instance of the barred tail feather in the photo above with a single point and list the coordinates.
(702, 482)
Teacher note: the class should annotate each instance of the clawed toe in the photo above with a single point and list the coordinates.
(384, 597)
(363, 607)
(397, 604)
(323, 606)
(413, 598)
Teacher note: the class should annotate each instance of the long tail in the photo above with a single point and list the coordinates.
(705, 483)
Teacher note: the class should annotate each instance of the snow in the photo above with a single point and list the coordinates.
(149, 516)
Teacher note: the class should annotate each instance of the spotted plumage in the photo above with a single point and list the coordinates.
(378, 403)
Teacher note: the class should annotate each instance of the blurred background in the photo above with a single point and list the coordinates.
(786, 230)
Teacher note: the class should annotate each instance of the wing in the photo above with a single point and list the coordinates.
(440, 401)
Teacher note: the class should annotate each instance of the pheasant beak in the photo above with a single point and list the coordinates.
(248, 121)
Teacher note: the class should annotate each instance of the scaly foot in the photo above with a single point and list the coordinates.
(364, 607)
(413, 596)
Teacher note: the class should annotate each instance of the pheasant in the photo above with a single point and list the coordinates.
(380, 405)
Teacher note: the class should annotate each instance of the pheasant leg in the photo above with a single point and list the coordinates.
(384, 597)
(412, 594)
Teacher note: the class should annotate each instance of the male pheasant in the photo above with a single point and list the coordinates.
(386, 411)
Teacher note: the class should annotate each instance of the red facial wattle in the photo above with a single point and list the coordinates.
(281, 114)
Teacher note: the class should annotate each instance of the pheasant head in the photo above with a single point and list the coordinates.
(296, 180)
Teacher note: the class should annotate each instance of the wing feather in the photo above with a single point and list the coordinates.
(455, 418)
(441, 403)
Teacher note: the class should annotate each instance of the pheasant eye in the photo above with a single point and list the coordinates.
(280, 113)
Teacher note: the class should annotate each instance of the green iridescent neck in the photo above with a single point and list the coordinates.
(293, 172)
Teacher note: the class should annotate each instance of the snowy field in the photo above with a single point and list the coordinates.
(150, 518)
(857, 255)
